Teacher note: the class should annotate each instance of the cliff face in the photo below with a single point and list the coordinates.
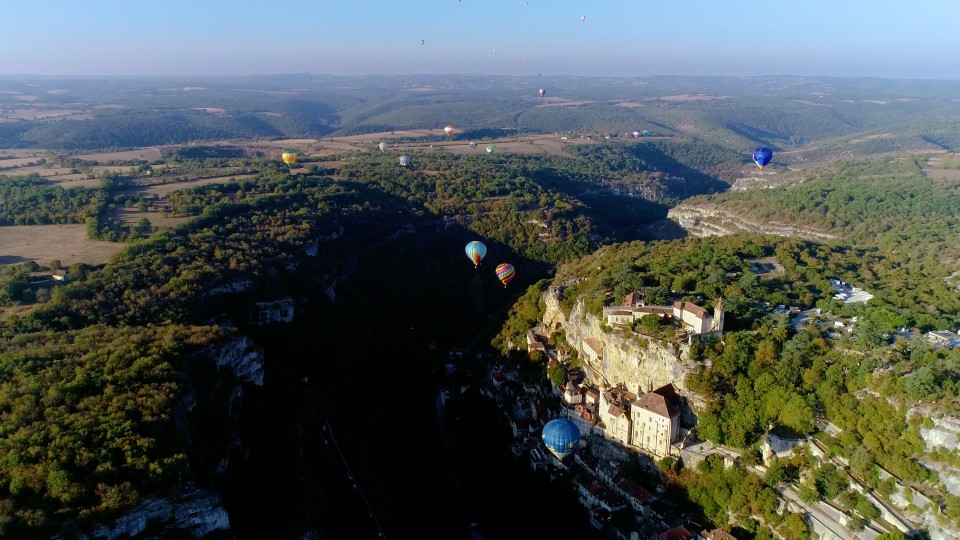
(637, 363)
(709, 220)
(196, 514)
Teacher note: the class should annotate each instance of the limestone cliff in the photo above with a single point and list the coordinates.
(640, 364)
(706, 219)
(194, 515)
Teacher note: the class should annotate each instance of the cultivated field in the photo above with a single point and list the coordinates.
(44, 243)
(164, 189)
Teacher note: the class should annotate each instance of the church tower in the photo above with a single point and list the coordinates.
(717, 325)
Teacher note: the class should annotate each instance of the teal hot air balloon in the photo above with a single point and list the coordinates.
(645, 133)
(505, 273)
(490, 149)
(476, 251)
(762, 156)
(384, 146)
(561, 437)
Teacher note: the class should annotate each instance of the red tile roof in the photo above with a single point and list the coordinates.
(677, 533)
(692, 308)
(658, 404)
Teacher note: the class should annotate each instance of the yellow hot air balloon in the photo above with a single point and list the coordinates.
(289, 158)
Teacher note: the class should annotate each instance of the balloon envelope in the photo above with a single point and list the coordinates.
(505, 273)
(473, 145)
(448, 130)
(646, 133)
(543, 92)
(636, 133)
(561, 437)
(405, 160)
(490, 149)
(289, 158)
(583, 18)
(476, 251)
(384, 146)
(762, 156)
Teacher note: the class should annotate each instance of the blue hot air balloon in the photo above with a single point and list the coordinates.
(475, 252)
(561, 437)
(762, 156)
(646, 133)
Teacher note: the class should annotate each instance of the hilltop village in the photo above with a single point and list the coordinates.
(637, 422)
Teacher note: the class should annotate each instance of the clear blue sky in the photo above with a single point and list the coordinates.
(885, 38)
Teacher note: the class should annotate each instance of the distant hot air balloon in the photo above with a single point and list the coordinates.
(475, 252)
(404, 160)
(636, 134)
(494, 51)
(505, 273)
(583, 18)
(490, 149)
(384, 146)
(646, 133)
(543, 92)
(524, 58)
(472, 145)
(289, 158)
(762, 156)
(561, 436)
(448, 130)
(422, 42)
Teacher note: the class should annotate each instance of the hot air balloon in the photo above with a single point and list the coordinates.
(475, 252)
(646, 133)
(636, 134)
(762, 156)
(404, 160)
(422, 42)
(490, 149)
(289, 158)
(384, 146)
(448, 130)
(561, 437)
(543, 92)
(505, 273)
(472, 145)
(524, 58)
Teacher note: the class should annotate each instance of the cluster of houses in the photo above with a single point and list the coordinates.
(647, 422)
(687, 316)
(600, 484)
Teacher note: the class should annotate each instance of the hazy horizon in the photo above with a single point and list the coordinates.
(884, 39)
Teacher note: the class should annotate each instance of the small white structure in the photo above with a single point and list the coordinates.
(944, 338)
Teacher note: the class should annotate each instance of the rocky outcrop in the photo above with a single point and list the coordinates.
(710, 220)
(232, 287)
(641, 364)
(195, 514)
(277, 311)
(241, 357)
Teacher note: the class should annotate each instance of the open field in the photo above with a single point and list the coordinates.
(692, 97)
(149, 153)
(44, 243)
(156, 217)
(164, 189)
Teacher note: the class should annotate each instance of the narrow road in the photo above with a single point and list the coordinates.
(821, 516)
(328, 437)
